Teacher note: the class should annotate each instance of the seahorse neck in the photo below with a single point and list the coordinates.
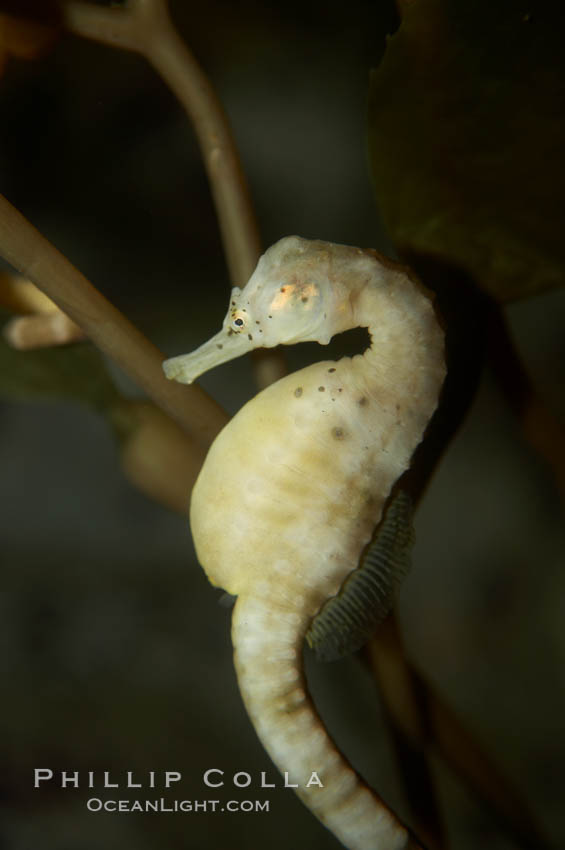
(406, 351)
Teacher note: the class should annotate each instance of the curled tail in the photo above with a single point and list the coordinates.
(267, 637)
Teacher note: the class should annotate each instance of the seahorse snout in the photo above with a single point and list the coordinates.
(222, 347)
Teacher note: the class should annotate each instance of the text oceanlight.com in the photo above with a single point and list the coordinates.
(94, 804)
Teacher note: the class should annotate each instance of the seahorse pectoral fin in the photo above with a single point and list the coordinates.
(219, 349)
(348, 620)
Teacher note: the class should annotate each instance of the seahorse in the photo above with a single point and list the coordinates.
(285, 507)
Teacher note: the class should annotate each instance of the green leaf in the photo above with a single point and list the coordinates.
(466, 139)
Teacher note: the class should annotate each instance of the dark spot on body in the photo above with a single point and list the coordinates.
(332, 369)
(363, 401)
(249, 336)
(270, 317)
(298, 392)
(230, 331)
(340, 389)
(304, 299)
(257, 322)
(233, 303)
(283, 288)
(321, 389)
(338, 433)
(219, 345)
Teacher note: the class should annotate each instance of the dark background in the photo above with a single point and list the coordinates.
(114, 652)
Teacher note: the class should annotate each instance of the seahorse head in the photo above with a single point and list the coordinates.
(296, 294)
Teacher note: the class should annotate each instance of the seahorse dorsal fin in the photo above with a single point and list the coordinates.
(348, 620)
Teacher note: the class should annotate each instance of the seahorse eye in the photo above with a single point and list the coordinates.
(238, 323)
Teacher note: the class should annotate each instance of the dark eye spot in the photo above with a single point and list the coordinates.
(321, 389)
(331, 370)
(298, 392)
(238, 322)
(338, 433)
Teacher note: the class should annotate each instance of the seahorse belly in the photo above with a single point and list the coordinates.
(302, 471)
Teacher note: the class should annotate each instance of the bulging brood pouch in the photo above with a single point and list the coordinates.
(295, 510)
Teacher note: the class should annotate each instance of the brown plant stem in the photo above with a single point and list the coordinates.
(41, 324)
(33, 256)
(404, 703)
(21, 296)
(146, 27)
(421, 719)
(156, 454)
(41, 330)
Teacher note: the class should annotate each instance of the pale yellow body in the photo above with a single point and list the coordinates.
(293, 487)
(302, 471)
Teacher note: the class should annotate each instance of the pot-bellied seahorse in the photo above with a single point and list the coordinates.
(285, 509)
